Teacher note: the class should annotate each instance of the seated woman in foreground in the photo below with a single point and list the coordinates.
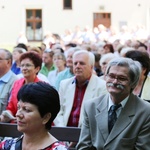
(38, 105)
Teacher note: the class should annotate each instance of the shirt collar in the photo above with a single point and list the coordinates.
(122, 102)
(5, 78)
(76, 82)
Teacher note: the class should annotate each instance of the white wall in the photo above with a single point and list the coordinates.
(56, 20)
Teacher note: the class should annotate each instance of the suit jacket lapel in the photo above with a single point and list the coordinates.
(70, 97)
(89, 94)
(102, 116)
(123, 120)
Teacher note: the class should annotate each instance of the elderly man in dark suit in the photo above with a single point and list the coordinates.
(118, 120)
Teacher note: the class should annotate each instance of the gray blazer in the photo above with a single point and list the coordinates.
(5, 91)
(130, 132)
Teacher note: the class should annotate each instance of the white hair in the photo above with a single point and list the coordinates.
(106, 56)
(90, 55)
(125, 50)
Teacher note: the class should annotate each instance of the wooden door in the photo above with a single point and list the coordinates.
(102, 18)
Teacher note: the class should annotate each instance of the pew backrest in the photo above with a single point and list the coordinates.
(70, 134)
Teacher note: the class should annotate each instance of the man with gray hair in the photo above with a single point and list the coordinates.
(75, 91)
(7, 77)
(118, 120)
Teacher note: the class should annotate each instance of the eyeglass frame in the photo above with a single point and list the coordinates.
(26, 65)
(119, 78)
(4, 59)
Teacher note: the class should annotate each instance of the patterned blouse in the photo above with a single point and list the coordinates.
(16, 144)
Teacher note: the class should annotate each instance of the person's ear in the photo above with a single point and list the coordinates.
(143, 70)
(37, 69)
(9, 61)
(46, 118)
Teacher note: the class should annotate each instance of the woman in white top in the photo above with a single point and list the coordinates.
(60, 63)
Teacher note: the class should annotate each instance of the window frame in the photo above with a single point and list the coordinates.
(34, 22)
(65, 7)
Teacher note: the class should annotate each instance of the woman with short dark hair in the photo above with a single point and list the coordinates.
(108, 48)
(38, 105)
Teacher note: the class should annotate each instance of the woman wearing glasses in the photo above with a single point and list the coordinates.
(30, 64)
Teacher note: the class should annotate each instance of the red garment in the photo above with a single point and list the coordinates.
(12, 105)
(75, 112)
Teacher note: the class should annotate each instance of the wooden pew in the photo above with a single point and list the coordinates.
(70, 134)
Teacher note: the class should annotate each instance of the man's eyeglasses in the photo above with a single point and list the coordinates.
(4, 59)
(119, 78)
(26, 65)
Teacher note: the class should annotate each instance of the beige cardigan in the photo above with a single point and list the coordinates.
(145, 91)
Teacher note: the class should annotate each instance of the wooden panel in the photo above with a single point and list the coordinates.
(61, 133)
